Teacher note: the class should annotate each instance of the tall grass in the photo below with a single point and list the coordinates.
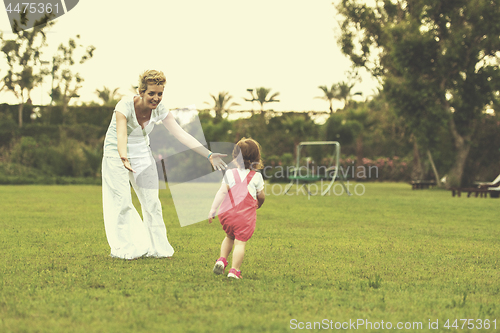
(392, 254)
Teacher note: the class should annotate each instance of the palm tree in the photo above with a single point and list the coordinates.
(344, 93)
(107, 96)
(261, 97)
(221, 104)
(330, 94)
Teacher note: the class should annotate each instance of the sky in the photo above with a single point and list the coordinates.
(206, 47)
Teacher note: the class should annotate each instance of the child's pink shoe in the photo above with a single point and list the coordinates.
(220, 265)
(233, 273)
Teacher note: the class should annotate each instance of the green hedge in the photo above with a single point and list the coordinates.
(70, 144)
(54, 180)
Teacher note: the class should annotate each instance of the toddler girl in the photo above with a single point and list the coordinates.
(241, 193)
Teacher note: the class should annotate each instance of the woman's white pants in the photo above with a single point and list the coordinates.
(128, 235)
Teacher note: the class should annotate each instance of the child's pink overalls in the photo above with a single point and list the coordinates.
(238, 211)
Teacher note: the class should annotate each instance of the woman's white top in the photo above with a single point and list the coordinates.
(138, 137)
(255, 185)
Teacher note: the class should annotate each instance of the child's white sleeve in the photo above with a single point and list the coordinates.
(259, 185)
(228, 178)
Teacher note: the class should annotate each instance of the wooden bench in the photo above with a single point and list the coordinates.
(493, 189)
(482, 189)
(478, 192)
(421, 184)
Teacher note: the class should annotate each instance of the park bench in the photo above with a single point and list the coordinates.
(478, 192)
(481, 190)
(421, 184)
(493, 187)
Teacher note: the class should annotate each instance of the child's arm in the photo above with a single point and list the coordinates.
(221, 194)
(261, 196)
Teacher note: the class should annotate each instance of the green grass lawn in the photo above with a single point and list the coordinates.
(391, 254)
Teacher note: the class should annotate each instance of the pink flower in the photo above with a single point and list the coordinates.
(366, 161)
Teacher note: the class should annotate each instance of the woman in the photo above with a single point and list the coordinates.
(128, 160)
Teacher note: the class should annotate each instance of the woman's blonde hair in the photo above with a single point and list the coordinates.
(250, 151)
(151, 77)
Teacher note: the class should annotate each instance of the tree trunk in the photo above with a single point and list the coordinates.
(64, 111)
(218, 116)
(359, 155)
(457, 171)
(48, 112)
(262, 112)
(462, 148)
(417, 172)
(21, 106)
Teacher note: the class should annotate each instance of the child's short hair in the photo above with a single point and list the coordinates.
(250, 151)
(151, 77)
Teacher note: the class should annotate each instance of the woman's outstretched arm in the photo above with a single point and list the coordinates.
(189, 141)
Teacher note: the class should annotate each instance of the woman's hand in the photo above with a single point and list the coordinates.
(217, 162)
(127, 165)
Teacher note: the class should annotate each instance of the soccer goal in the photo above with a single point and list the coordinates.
(309, 174)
